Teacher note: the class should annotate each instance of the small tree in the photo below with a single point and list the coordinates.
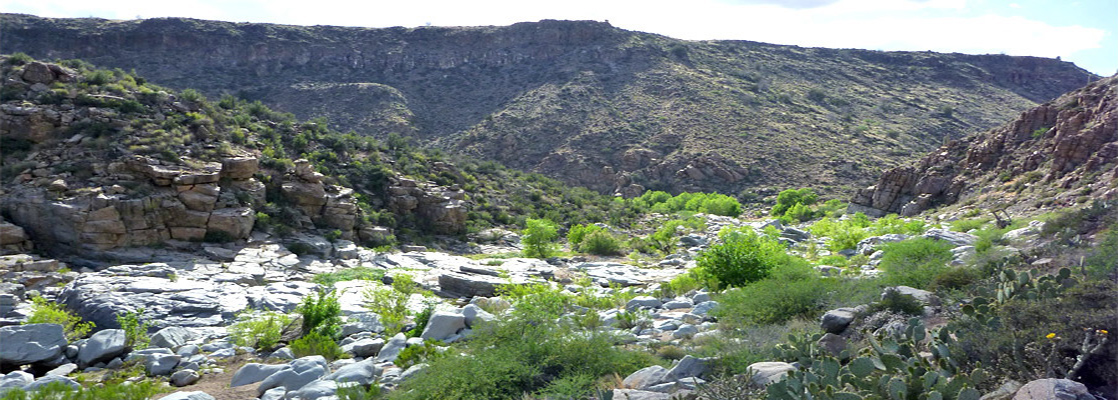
(538, 238)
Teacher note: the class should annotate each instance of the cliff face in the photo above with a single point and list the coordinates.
(594, 105)
(1065, 144)
(97, 162)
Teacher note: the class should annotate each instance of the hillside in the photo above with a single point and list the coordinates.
(99, 164)
(584, 102)
(218, 249)
(1053, 156)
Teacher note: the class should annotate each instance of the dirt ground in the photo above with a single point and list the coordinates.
(217, 385)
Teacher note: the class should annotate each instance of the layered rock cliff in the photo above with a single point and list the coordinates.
(613, 110)
(1053, 154)
(95, 161)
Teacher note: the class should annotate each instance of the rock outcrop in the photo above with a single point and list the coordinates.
(1066, 143)
(183, 204)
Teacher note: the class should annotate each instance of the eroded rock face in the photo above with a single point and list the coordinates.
(442, 208)
(183, 204)
(1058, 143)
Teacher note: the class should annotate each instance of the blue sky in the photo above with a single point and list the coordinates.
(1081, 31)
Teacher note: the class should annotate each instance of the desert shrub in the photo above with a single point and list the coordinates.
(46, 312)
(192, 96)
(358, 392)
(315, 343)
(601, 243)
(321, 314)
(791, 197)
(899, 303)
(391, 307)
(834, 260)
(893, 224)
(18, 58)
(670, 352)
(798, 213)
(842, 234)
(421, 321)
(1102, 261)
(577, 232)
(684, 283)
(966, 225)
(99, 77)
(833, 208)
(914, 262)
(529, 353)
(741, 258)
(260, 331)
(142, 390)
(349, 274)
(135, 329)
(412, 355)
(955, 278)
(772, 301)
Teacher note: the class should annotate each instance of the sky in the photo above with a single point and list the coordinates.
(1080, 31)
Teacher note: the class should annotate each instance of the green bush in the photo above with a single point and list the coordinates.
(18, 58)
(720, 204)
(798, 213)
(538, 238)
(315, 343)
(358, 392)
(142, 390)
(46, 312)
(600, 243)
(791, 197)
(260, 331)
(391, 307)
(773, 301)
(1102, 261)
(135, 329)
(742, 257)
(834, 261)
(321, 314)
(421, 321)
(914, 262)
(684, 283)
(710, 203)
(955, 278)
(576, 234)
(412, 355)
(527, 353)
(893, 224)
(844, 234)
(966, 225)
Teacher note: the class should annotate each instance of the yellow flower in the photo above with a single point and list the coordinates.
(1051, 336)
(1103, 332)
